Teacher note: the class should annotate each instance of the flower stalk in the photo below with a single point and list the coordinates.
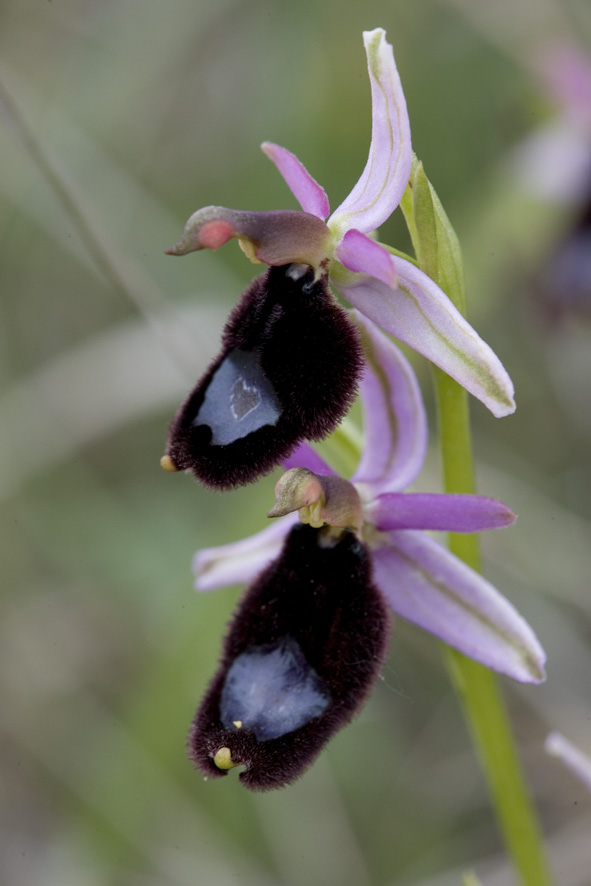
(438, 254)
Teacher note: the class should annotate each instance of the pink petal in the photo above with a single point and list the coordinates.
(422, 316)
(306, 457)
(309, 194)
(379, 190)
(428, 586)
(394, 420)
(241, 561)
(360, 253)
(447, 512)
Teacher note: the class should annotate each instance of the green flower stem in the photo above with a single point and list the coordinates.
(438, 252)
(477, 686)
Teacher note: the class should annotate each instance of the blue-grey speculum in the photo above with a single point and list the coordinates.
(272, 691)
(240, 399)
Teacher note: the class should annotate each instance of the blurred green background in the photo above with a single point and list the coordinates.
(118, 119)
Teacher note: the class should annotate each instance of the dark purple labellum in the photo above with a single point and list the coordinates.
(303, 650)
(288, 371)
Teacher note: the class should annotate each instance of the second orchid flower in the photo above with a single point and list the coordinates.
(317, 598)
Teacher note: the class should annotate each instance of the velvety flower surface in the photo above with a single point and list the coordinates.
(304, 648)
(388, 289)
(418, 577)
(288, 369)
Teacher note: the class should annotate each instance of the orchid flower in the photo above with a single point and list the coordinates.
(386, 288)
(417, 576)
